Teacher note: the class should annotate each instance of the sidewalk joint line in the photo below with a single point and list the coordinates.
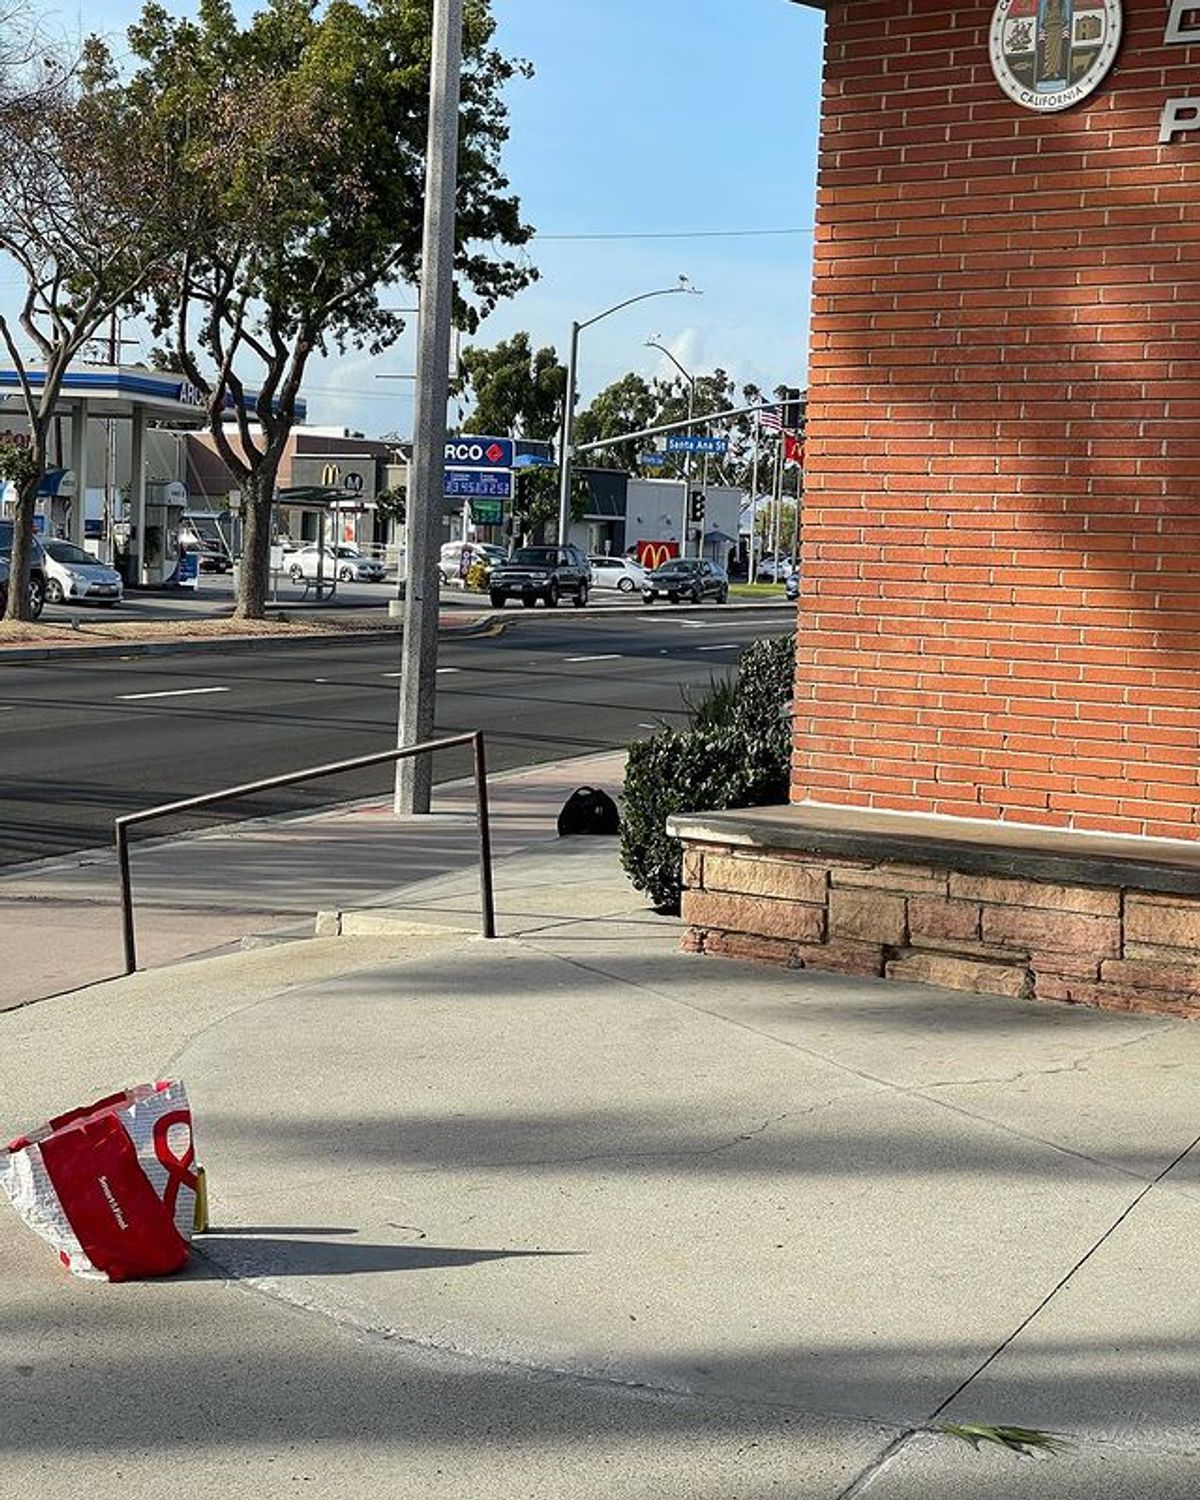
(1062, 1282)
(878, 1464)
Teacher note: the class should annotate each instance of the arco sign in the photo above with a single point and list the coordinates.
(479, 453)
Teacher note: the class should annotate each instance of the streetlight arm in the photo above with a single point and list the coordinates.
(662, 349)
(667, 291)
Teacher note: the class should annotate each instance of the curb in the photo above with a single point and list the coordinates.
(227, 644)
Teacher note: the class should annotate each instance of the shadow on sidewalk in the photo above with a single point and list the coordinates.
(235, 1258)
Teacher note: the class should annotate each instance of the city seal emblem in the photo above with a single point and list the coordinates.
(1050, 54)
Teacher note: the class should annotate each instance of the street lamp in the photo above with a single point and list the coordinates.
(568, 422)
(656, 343)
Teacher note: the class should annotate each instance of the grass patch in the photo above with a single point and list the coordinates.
(756, 590)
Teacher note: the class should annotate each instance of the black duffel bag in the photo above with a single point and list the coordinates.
(588, 810)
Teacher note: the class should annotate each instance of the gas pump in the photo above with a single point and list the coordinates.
(165, 504)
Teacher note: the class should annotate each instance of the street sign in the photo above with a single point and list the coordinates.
(479, 453)
(477, 484)
(487, 512)
(652, 460)
(681, 443)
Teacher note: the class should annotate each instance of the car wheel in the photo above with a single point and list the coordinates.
(723, 597)
(648, 598)
(552, 596)
(347, 575)
(54, 592)
(498, 600)
(296, 574)
(528, 600)
(697, 595)
(37, 596)
(581, 598)
(674, 598)
(626, 585)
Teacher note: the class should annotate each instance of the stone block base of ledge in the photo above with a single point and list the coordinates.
(1031, 913)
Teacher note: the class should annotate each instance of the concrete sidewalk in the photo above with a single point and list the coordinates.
(61, 917)
(573, 1214)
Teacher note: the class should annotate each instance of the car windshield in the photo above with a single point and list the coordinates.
(536, 556)
(349, 552)
(680, 565)
(67, 552)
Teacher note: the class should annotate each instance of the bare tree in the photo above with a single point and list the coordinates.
(81, 223)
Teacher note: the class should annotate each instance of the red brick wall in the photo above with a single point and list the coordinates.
(1001, 602)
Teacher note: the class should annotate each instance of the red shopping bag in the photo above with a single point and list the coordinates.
(111, 1186)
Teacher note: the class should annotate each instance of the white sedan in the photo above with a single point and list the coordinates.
(348, 564)
(620, 573)
(75, 575)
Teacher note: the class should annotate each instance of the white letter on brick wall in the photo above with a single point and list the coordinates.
(1178, 117)
(1178, 28)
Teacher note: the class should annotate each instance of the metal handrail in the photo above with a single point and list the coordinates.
(122, 825)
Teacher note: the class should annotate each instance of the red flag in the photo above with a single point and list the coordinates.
(793, 450)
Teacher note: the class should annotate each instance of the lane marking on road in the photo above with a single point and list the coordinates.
(171, 693)
(717, 648)
(441, 671)
(607, 656)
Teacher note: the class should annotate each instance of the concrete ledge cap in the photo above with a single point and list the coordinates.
(970, 845)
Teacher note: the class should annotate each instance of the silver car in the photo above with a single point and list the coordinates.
(348, 564)
(75, 576)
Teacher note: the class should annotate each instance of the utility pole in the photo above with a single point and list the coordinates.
(418, 678)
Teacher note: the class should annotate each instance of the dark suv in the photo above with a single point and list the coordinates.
(37, 571)
(549, 573)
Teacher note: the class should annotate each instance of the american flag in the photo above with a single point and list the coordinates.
(770, 418)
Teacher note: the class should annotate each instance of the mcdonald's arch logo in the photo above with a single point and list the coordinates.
(653, 555)
(331, 476)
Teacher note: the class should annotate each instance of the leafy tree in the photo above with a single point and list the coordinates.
(392, 505)
(303, 133)
(627, 405)
(84, 224)
(517, 392)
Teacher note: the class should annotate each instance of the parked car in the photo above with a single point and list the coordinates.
(450, 561)
(792, 585)
(774, 569)
(620, 573)
(74, 575)
(344, 562)
(37, 571)
(690, 578)
(210, 559)
(547, 573)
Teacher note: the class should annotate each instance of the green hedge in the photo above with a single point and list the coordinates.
(735, 754)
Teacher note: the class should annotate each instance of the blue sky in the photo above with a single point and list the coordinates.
(644, 117)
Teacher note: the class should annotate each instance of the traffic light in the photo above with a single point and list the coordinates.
(696, 507)
(793, 409)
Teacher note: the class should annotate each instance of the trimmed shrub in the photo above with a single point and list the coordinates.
(736, 754)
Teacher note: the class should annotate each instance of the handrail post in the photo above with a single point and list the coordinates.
(486, 890)
(127, 932)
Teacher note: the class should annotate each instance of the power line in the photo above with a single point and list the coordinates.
(681, 234)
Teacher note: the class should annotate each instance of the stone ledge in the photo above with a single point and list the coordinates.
(969, 846)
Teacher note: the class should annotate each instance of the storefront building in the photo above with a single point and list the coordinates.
(996, 776)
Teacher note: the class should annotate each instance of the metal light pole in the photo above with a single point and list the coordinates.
(418, 677)
(568, 422)
(654, 343)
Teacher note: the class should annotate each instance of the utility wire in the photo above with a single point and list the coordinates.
(680, 234)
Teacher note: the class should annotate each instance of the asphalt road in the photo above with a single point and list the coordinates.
(82, 741)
